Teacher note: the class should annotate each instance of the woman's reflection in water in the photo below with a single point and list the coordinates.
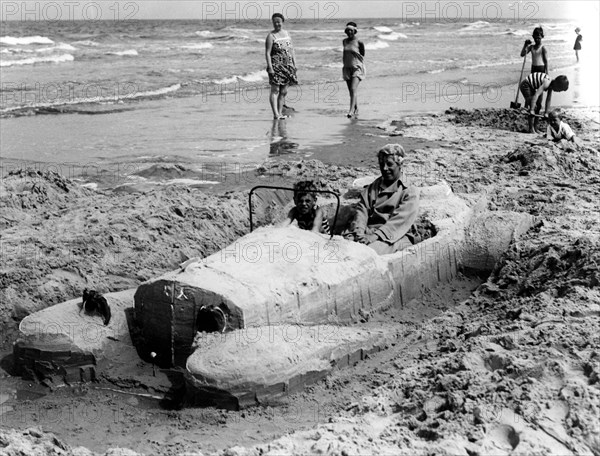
(279, 141)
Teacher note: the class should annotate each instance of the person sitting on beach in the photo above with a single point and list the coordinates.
(306, 213)
(354, 69)
(557, 129)
(539, 55)
(533, 88)
(387, 208)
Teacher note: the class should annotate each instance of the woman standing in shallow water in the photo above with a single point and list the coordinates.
(354, 68)
(577, 46)
(281, 65)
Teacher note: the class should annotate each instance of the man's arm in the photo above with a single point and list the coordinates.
(402, 218)
(362, 215)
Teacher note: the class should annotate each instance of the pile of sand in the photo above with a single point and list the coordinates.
(506, 119)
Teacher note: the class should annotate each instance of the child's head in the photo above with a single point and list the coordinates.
(560, 83)
(538, 33)
(577, 30)
(554, 119)
(304, 196)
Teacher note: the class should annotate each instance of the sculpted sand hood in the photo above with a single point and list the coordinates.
(271, 276)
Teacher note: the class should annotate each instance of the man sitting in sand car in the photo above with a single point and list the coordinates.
(387, 208)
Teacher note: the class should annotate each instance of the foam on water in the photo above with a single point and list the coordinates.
(25, 40)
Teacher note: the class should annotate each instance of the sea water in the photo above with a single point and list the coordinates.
(140, 92)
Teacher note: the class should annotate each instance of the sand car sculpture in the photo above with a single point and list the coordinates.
(273, 311)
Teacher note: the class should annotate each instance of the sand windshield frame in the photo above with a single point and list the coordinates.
(274, 187)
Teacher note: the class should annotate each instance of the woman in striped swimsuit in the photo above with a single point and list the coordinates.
(533, 88)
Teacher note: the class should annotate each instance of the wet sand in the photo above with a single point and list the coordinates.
(507, 365)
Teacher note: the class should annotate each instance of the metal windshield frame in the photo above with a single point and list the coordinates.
(337, 209)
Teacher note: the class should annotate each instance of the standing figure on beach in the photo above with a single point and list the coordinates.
(577, 46)
(539, 55)
(306, 213)
(533, 88)
(354, 68)
(281, 65)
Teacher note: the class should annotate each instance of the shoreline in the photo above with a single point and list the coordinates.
(316, 124)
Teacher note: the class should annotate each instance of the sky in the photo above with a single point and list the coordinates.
(228, 10)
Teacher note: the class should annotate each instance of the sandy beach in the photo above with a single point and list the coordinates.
(505, 364)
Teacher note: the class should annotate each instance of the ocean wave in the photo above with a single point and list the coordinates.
(475, 26)
(25, 40)
(204, 33)
(58, 47)
(235, 35)
(86, 43)
(491, 64)
(250, 77)
(34, 60)
(13, 51)
(472, 66)
(517, 32)
(317, 32)
(197, 46)
(157, 92)
(392, 36)
(320, 49)
(127, 53)
(437, 71)
(74, 106)
(383, 29)
(376, 45)
(337, 65)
